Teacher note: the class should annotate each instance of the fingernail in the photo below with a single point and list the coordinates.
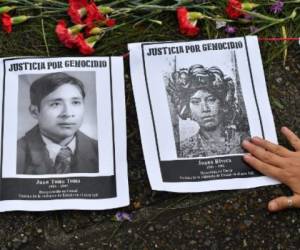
(247, 156)
(245, 143)
(273, 206)
(256, 138)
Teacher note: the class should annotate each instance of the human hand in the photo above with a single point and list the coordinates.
(278, 162)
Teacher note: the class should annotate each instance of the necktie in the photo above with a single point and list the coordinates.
(63, 161)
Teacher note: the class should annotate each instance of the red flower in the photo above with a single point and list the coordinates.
(6, 23)
(85, 48)
(76, 10)
(61, 29)
(110, 22)
(93, 14)
(65, 34)
(233, 9)
(186, 26)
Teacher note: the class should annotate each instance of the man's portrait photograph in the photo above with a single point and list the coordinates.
(57, 124)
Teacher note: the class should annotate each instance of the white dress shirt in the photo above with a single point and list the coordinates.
(54, 148)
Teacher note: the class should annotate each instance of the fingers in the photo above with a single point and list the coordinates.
(284, 202)
(263, 167)
(263, 155)
(271, 147)
(291, 137)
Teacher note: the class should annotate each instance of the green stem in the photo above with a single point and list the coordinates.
(39, 16)
(266, 18)
(115, 3)
(44, 37)
(285, 2)
(263, 28)
(115, 27)
(155, 7)
(57, 2)
(296, 1)
(147, 18)
(54, 11)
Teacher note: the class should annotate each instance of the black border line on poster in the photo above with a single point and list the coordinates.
(3, 114)
(253, 87)
(2, 130)
(149, 98)
(112, 119)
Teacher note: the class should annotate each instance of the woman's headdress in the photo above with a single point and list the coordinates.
(184, 82)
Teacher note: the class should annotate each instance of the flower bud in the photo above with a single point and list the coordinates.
(96, 31)
(6, 9)
(91, 41)
(19, 19)
(76, 28)
(105, 9)
(249, 6)
(193, 16)
(294, 14)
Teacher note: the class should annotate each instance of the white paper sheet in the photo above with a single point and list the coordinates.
(196, 101)
(97, 175)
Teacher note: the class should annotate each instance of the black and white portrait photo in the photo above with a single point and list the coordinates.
(214, 103)
(50, 124)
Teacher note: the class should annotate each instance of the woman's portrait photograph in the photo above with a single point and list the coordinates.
(213, 103)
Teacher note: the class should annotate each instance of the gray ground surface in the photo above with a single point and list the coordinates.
(213, 220)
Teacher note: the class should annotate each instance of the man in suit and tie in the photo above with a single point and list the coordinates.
(55, 145)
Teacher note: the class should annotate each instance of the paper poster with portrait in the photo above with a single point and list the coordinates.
(196, 102)
(63, 137)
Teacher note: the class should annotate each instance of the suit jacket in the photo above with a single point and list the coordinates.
(33, 156)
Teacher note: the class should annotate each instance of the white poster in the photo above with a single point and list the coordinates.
(196, 102)
(63, 136)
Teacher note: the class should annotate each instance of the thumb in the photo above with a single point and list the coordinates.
(284, 202)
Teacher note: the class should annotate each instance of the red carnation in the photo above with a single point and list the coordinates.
(61, 29)
(63, 34)
(93, 14)
(186, 26)
(67, 36)
(85, 47)
(6, 23)
(77, 10)
(110, 22)
(233, 9)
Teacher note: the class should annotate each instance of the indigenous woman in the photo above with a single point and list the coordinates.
(207, 97)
